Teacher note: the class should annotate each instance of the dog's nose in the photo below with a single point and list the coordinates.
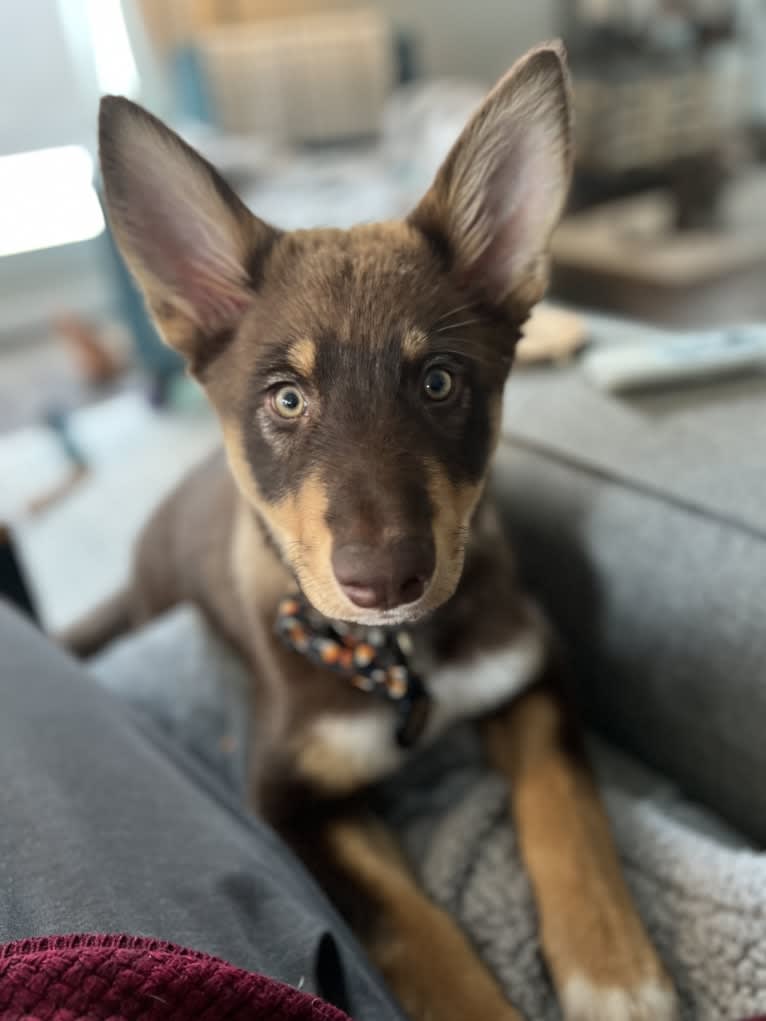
(382, 577)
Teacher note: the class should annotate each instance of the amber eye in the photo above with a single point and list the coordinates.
(438, 384)
(288, 401)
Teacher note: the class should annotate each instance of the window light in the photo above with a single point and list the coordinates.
(115, 65)
(47, 199)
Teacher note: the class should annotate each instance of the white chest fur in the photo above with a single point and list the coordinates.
(468, 690)
(345, 751)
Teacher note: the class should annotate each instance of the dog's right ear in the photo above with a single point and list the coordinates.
(192, 245)
(501, 190)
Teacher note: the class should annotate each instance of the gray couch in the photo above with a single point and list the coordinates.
(641, 522)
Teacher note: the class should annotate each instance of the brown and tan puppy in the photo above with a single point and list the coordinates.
(358, 378)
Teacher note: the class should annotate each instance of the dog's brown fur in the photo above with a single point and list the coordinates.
(370, 466)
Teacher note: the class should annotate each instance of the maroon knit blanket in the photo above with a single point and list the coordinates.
(129, 978)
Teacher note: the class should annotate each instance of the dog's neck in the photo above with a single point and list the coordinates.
(374, 660)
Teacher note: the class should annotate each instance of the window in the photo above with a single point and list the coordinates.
(47, 199)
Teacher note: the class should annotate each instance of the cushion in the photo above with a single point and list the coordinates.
(640, 522)
(698, 885)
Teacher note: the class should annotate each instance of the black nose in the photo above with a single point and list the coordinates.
(382, 577)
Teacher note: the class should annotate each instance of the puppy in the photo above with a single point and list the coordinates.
(345, 544)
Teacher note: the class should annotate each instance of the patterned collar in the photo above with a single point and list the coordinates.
(374, 660)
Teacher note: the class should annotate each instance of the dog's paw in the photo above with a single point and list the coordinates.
(583, 1000)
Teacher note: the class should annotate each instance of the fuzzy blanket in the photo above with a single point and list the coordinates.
(699, 887)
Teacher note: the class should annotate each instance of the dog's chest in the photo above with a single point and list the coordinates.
(362, 746)
(467, 690)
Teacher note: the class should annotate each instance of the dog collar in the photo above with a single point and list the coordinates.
(374, 660)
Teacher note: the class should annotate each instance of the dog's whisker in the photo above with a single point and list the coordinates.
(454, 311)
(456, 326)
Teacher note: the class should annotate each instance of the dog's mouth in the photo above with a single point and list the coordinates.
(338, 608)
(409, 613)
(327, 597)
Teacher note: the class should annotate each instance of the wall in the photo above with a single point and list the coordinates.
(479, 39)
(46, 104)
(42, 104)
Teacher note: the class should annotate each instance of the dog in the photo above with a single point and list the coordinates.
(344, 541)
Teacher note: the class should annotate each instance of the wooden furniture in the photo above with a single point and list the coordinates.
(173, 23)
(625, 256)
(317, 77)
(292, 70)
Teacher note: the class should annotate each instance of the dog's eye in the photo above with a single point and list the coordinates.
(438, 384)
(288, 401)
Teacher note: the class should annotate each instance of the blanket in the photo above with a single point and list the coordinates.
(698, 885)
(92, 977)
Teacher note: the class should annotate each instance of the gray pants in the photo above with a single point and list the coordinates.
(106, 826)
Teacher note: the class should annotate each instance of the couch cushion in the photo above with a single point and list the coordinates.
(702, 446)
(641, 523)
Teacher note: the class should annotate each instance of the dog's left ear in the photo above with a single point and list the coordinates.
(501, 190)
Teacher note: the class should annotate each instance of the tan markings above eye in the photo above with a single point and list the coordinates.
(288, 401)
(438, 384)
(302, 356)
(414, 344)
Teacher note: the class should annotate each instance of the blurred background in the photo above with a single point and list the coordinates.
(330, 113)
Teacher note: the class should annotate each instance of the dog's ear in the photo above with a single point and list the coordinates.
(501, 190)
(192, 245)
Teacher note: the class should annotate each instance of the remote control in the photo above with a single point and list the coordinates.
(678, 358)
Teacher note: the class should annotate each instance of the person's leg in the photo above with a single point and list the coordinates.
(107, 827)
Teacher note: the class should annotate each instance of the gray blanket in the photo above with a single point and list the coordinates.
(700, 889)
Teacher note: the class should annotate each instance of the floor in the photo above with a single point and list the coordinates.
(36, 375)
(78, 551)
(40, 374)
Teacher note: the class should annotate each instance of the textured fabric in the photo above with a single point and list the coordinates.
(97, 977)
(109, 827)
(699, 885)
(641, 523)
(663, 611)
(700, 446)
(193, 688)
(699, 890)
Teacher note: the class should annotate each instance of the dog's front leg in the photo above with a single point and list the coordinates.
(602, 963)
(421, 952)
(424, 957)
